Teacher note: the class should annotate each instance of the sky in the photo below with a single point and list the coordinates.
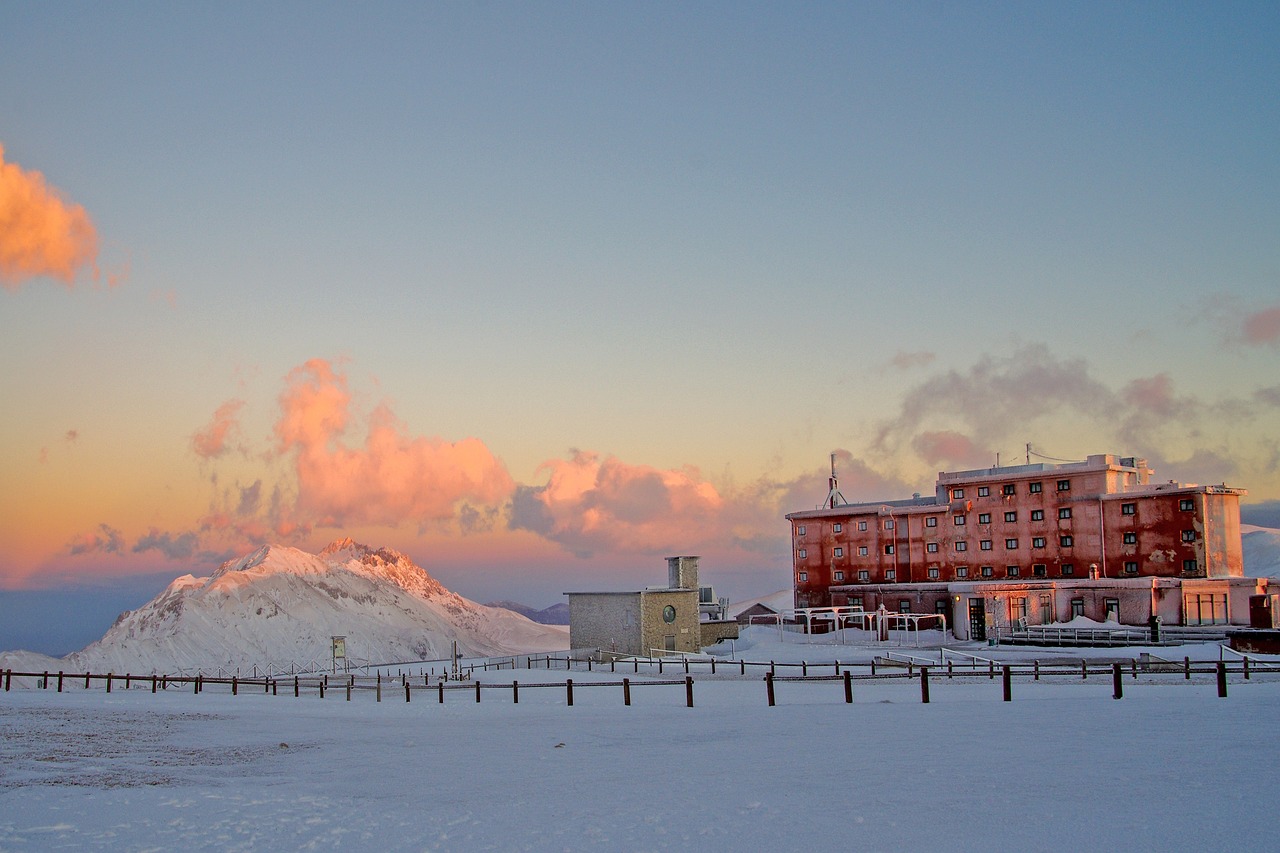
(540, 294)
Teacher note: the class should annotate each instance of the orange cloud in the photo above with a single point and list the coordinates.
(948, 446)
(393, 477)
(211, 441)
(40, 234)
(589, 505)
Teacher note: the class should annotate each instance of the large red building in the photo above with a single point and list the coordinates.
(1039, 543)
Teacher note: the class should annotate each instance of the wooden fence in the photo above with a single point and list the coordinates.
(842, 675)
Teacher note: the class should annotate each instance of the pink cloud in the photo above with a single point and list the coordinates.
(945, 446)
(212, 441)
(591, 504)
(390, 479)
(40, 234)
(1263, 327)
(907, 360)
(1153, 394)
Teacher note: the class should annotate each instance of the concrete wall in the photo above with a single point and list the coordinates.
(606, 620)
(714, 632)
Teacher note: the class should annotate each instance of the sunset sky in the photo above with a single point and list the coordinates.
(541, 293)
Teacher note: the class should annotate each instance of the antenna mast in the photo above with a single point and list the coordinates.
(834, 498)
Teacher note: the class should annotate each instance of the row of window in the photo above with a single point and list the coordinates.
(962, 572)
(1037, 571)
(959, 520)
(1009, 489)
(1011, 544)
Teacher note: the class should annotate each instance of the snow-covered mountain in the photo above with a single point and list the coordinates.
(280, 605)
(1261, 547)
(556, 614)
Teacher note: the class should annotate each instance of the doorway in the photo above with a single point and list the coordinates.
(977, 619)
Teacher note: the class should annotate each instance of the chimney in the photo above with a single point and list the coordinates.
(682, 572)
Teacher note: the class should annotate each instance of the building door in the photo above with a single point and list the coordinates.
(669, 642)
(977, 619)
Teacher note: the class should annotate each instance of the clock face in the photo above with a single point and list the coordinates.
(668, 614)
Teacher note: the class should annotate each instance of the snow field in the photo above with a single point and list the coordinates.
(1063, 766)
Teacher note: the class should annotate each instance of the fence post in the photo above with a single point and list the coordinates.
(1135, 667)
(378, 688)
(688, 691)
(772, 671)
(568, 689)
(8, 679)
(713, 666)
(234, 685)
(153, 687)
(44, 680)
(626, 691)
(991, 670)
(768, 684)
(873, 666)
(744, 666)
(659, 666)
(1006, 677)
(407, 688)
(440, 684)
(804, 668)
(686, 666)
(949, 668)
(1222, 680)
(109, 682)
(86, 681)
(924, 685)
(1117, 682)
(477, 693)
(195, 684)
(1246, 668)
(1084, 670)
(323, 682)
(515, 692)
(848, 687)
(1037, 663)
(348, 686)
(1186, 668)
(295, 687)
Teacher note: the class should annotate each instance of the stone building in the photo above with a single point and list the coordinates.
(649, 621)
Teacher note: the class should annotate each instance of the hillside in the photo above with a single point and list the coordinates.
(1261, 546)
(280, 606)
(556, 614)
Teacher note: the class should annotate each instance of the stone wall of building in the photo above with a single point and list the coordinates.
(606, 620)
(684, 625)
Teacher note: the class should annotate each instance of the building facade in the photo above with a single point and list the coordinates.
(1039, 543)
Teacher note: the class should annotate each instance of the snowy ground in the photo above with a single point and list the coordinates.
(1064, 766)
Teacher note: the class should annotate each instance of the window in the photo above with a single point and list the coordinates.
(1064, 485)
(800, 530)
(983, 491)
(931, 521)
(862, 525)
(864, 575)
(891, 574)
(888, 549)
(1037, 541)
(862, 550)
(1017, 607)
(802, 577)
(839, 552)
(962, 571)
(1066, 541)
(1011, 544)
(1035, 488)
(904, 605)
(931, 548)
(1186, 505)
(837, 527)
(988, 571)
(1190, 566)
(1131, 567)
(933, 573)
(957, 520)
(1130, 538)
(1188, 536)
(984, 518)
(1008, 489)
(1011, 516)
(888, 525)
(855, 601)
(1011, 571)
(1128, 509)
(1040, 570)
(802, 553)
(1037, 515)
(956, 494)
(1077, 607)
(1046, 608)
(1065, 512)
(839, 576)
(1113, 609)
(985, 544)
(1068, 570)
(962, 546)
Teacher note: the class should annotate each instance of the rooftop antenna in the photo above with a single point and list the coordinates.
(834, 498)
